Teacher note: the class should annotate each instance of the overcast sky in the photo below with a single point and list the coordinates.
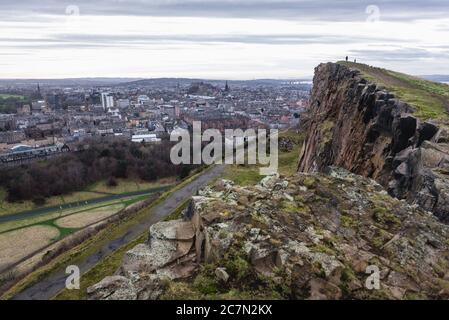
(218, 39)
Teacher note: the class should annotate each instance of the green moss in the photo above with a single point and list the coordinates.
(179, 291)
(347, 275)
(318, 270)
(236, 264)
(348, 222)
(380, 238)
(299, 198)
(384, 217)
(259, 221)
(309, 182)
(206, 285)
(323, 249)
(295, 207)
(415, 296)
(274, 289)
(326, 133)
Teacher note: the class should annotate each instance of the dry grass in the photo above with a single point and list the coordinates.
(125, 186)
(83, 219)
(6, 226)
(95, 191)
(16, 245)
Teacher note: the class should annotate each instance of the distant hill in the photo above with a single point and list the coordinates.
(66, 82)
(153, 82)
(187, 82)
(437, 78)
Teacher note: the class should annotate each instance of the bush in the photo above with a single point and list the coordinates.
(112, 182)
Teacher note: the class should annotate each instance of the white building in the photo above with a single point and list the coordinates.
(107, 100)
(150, 137)
(123, 103)
(143, 100)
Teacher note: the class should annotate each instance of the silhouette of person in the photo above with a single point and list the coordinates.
(355, 60)
(347, 58)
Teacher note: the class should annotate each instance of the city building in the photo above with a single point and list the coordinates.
(107, 100)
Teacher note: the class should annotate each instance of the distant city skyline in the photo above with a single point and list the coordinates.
(218, 39)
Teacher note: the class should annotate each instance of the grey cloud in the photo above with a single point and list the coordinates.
(90, 40)
(320, 10)
(406, 54)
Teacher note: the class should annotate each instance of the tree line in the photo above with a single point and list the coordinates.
(105, 160)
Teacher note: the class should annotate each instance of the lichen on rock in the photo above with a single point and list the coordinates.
(228, 249)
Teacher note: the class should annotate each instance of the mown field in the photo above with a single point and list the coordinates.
(18, 239)
(112, 231)
(95, 191)
(430, 99)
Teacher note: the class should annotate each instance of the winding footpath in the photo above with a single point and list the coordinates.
(55, 282)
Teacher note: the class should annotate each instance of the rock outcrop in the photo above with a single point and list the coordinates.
(310, 236)
(359, 126)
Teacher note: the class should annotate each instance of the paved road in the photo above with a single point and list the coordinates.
(52, 284)
(79, 204)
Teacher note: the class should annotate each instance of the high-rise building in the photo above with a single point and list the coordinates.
(107, 100)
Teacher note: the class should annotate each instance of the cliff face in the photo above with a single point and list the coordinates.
(361, 127)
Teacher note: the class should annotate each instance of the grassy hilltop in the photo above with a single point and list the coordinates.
(430, 99)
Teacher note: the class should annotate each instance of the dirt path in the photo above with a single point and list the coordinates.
(52, 284)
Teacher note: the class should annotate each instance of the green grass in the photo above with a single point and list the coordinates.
(104, 268)
(111, 263)
(97, 190)
(95, 243)
(177, 213)
(63, 232)
(43, 219)
(245, 175)
(288, 161)
(430, 99)
(11, 96)
(8, 102)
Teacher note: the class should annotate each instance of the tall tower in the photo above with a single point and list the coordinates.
(107, 100)
(227, 89)
(39, 95)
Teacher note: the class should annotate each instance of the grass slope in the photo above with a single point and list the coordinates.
(430, 99)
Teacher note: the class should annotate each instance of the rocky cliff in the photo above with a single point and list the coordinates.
(360, 126)
(309, 236)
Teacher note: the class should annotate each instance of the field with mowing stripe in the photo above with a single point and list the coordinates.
(17, 244)
(95, 191)
(83, 219)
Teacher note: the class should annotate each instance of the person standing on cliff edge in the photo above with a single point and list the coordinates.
(347, 58)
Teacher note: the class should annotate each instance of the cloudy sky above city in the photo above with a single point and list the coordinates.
(218, 39)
